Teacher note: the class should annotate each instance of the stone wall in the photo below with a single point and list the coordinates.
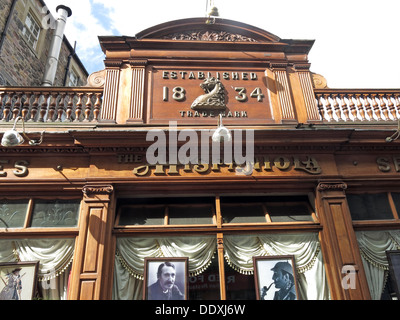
(20, 65)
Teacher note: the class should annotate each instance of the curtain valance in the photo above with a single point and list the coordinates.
(240, 250)
(374, 244)
(55, 255)
(131, 252)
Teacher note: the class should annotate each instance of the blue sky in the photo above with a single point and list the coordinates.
(357, 41)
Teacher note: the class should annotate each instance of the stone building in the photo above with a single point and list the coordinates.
(27, 28)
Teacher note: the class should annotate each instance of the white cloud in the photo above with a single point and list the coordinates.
(356, 40)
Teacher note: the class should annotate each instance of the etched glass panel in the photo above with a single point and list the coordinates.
(55, 213)
(13, 213)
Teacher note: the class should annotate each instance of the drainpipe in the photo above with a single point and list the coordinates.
(54, 53)
(71, 55)
(4, 33)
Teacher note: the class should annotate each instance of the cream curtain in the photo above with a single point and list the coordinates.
(373, 246)
(240, 250)
(55, 256)
(131, 252)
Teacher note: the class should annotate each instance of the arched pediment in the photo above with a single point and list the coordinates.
(196, 29)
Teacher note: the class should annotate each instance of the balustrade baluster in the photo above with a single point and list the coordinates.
(336, 107)
(360, 107)
(328, 106)
(368, 108)
(345, 108)
(384, 107)
(17, 106)
(7, 107)
(391, 106)
(52, 107)
(88, 107)
(70, 107)
(2, 95)
(35, 107)
(43, 107)
(26, 105)
(78, 108)
(61, 107)
(352, 107)
(376, 109)
(97, 106)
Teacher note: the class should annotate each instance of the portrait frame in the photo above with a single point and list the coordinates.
(393, 257)
(263, 272)
(151, 266)
(27, 274)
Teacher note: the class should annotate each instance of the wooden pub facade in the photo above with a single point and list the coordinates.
(322, 185)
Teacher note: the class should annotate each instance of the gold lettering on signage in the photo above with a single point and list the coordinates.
(383, 164)
(201, 75)
(386, 164)
(3, 173)
(307, 164)
(20, 168)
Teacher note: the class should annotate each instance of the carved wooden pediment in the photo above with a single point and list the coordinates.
(205, 35)
(196, 29)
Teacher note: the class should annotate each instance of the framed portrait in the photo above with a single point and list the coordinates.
(18, 280)
(166, 279)
(275, 278)
(394, 270)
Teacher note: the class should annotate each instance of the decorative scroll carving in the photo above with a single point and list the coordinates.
(97, 79)
(209, 36)
(214, 98)
(332, 186)
(98, 189)
(319, 81)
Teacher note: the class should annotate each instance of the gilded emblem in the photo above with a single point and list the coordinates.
(214, 99)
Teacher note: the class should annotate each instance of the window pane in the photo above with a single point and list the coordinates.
(239, 286)
(396, 200)
(31, 30)
(205, 286)
(55, 213)
(289, 212)
(242, 213)
(369, 206)
(180, 215)
(142, 216)
(13, 213)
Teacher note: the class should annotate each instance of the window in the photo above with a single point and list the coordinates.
(158, 212)
(31, 31)
(373, 206)
(73, 79)
(266, 209)
(39, 213)
(210, 232)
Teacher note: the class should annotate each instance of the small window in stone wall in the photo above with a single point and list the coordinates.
(31, 30)
(73, 79)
